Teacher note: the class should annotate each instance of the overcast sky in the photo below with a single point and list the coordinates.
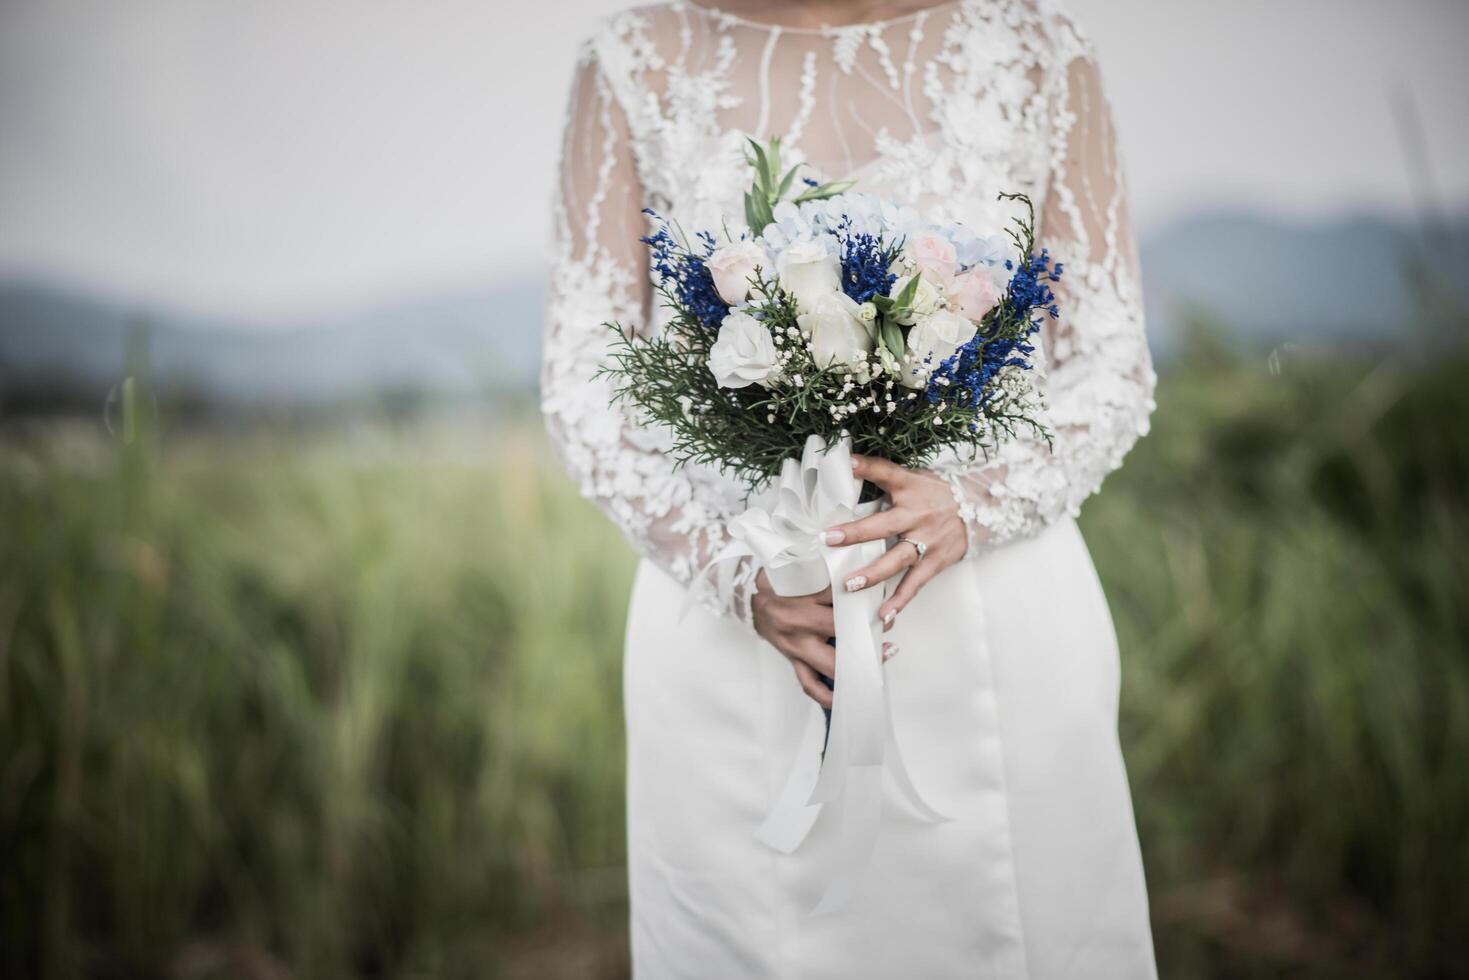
(293, 157)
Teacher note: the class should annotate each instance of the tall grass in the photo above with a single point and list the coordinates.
(1288, 560)
(280, 709)
(319, 706)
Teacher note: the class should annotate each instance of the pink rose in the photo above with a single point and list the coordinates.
(935, 257)
(733, 266)
(974, 294)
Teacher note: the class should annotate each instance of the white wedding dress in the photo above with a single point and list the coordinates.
(1004, 696)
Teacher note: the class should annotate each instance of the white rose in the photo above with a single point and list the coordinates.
(808, 273)
(744, 354)
(867, 312)
(933, 340)
(733, 266)
(838, 335)
(926, 299)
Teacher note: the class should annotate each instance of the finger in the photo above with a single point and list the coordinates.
(816, 618)
(811, 684)
(884, 473)
(815, 653)
(918, 576)
(889, 651)
(805, 614)
(894, 560)
(884, 524)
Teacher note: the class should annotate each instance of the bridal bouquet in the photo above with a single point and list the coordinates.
(834, 322)
(839, 315)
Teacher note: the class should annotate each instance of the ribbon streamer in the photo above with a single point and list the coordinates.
(785, 532)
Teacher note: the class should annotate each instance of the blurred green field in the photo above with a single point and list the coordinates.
(346, 703)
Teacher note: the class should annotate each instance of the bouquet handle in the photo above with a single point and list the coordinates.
(785, 534)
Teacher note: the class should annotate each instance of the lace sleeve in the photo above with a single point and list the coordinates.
(599, 275)
(1098, 376)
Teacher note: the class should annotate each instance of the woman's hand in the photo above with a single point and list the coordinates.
(923, 509)
(799, 626)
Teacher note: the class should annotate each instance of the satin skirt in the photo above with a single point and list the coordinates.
(1004, 701)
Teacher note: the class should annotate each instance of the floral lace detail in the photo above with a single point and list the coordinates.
(943, 109)
(599, 276)
(1100, 381)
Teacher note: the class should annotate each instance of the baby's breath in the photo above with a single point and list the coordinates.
(749, 432)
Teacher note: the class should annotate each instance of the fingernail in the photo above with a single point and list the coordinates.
(889, 651)
(833, 537)
(856, 582)
(889, 616)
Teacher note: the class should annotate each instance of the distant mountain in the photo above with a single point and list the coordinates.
(1269, 283)
(1265, 282)
(461, 343)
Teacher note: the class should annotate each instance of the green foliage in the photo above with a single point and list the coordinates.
(770, 189)
(667, 377)
(1286, 558)
(283, 706)
(283, 709)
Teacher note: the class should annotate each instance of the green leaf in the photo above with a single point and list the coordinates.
(786, 181)
(892, 338)
(904, 299)
(762, 169)
(826, 190)
(757, 212)
(883, 303)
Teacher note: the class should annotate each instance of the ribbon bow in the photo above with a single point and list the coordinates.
(785, 531)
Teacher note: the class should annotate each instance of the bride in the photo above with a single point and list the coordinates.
(1004, 695)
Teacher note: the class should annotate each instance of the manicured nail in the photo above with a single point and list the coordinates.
(856, 582)
(889, 616)
(889, 651)
(833, 537)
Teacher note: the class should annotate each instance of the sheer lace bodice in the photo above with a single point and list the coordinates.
(942, 109)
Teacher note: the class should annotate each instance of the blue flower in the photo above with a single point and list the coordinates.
(865, 264)
(1030, 287)
(967, 377)
(685, 275)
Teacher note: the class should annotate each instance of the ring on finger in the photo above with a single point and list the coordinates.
(918, 546)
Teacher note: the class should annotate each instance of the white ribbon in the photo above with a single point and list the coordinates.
(785, 531)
